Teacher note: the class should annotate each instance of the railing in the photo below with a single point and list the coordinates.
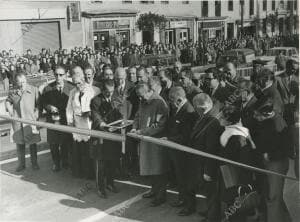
(122, 138)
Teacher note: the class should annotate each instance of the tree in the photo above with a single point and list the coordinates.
(149, 21)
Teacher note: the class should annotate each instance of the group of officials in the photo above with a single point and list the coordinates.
(249, 120)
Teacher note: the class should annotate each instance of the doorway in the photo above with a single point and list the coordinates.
(147, 37)
(101, 40)
(169, 37)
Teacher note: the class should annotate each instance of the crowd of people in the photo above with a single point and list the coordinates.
(251, 120)
(199, 53)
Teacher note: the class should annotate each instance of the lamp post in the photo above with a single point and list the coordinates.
(242, 2)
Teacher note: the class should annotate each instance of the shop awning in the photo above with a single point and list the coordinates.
(109, 13)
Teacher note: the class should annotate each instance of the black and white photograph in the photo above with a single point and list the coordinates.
(149, 111)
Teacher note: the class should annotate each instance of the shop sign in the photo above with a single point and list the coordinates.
(105, 24)
(124, 23)
(208, 25)
(178, 24)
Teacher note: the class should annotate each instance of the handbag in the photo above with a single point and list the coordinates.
(230, 175)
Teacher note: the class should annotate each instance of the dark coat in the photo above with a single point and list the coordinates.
(179, 124)
(270, 139)
(120, 97)
(51, 96)
(247, 113)
(104, 111)
(205, 137)
(271, 95)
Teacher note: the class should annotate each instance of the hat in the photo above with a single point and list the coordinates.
(266, 108)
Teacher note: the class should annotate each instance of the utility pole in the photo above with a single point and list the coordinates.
(242, 2)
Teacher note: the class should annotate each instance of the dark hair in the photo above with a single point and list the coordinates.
(232, 114)
(167, 73)
(88, 67)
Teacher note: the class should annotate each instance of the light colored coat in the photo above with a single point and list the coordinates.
(150, 119)
(25, 106)
(75, 108)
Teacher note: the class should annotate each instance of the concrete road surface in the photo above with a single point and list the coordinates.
(46, 196)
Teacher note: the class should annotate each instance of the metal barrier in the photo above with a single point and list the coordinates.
(247, 71)
(120, 138)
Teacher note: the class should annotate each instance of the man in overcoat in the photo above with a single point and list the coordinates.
(23, 103)
(150, 120)
(204, 137)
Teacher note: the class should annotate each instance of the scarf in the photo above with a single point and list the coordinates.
(235, 130)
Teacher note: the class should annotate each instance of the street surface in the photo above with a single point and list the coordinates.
(46, 196)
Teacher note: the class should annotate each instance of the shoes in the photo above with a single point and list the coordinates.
(112, 188)
(178, 203)
(102, 194)
(20, 168)
(35, 166)
(186, 212)
(157, 202)
(55, 168)
(149, 195)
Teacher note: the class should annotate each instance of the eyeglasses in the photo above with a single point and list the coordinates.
(59, 74)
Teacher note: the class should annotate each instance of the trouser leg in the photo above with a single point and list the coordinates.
(110, 170)
(55, 153)
(75, 159)
(100, 175)
(276, 208)
(64, 151)
(159, 186)
(33, 154)
(21, 156)
(213, 201)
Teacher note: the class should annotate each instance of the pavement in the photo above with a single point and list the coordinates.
(47, 196)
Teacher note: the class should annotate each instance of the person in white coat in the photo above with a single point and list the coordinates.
(78, 114)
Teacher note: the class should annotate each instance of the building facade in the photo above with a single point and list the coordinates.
(99, 24)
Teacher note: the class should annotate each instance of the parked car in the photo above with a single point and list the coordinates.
(240, 57)
(288, 52)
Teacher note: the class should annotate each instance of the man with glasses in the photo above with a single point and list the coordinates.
(54, 99)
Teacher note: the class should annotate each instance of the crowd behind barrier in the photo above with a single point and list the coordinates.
(250, 120)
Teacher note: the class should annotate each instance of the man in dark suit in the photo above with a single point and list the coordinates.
(269, 92)
(54, 100)
(248, 102)
(181, 120)
(106, 153)
(166, 82)
(185, 80)
(123, 97)
(204, 137)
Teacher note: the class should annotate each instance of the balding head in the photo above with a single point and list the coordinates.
(177, 96)
(202, 103)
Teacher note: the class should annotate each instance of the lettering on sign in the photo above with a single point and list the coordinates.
(178, 24)
(105, 24)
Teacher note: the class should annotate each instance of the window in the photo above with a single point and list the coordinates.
(164, 2)
(185, 2)
(127, 1)
(265, 2)
(273, 4)
(295, 5)
(290, 5)
(251, 8)
(217, 8)
(205, 8)
(147, 2)
(230, 5)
